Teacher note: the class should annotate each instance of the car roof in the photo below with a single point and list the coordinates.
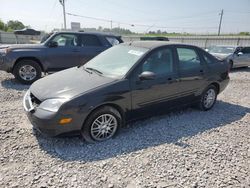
(153, 44)
(93, 33)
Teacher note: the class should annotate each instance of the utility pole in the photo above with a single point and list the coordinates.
(221, 15)
(111, 25)
(64, 14)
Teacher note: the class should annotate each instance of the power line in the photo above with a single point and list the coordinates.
(130, 24)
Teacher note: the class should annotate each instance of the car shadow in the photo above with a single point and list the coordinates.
(173, 128)
(241, 69)
(12, 83)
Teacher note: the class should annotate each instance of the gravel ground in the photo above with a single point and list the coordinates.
(188, 148)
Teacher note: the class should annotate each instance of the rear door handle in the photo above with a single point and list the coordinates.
(99, 51)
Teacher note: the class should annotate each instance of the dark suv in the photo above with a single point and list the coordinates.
(60, 51)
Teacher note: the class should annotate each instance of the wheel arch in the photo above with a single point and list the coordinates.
(217, 86)
(115, 106)
(29, 58)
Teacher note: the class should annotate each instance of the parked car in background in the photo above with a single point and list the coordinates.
(27, 31)
(236, 56)
(125, 83)
(60, 51)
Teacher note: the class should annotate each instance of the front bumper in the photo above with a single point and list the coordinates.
(47, 122)
(4, 64)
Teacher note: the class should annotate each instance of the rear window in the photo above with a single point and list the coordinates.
(208, 59)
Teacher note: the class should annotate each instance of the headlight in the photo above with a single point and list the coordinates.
(4, 51)
(52, 105)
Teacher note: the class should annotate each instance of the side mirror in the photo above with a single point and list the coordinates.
(239, 53)
(52, 44)
(147, 75)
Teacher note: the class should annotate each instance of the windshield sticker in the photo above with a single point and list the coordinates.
(134, 52)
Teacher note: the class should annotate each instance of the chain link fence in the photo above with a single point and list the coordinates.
(201, 41)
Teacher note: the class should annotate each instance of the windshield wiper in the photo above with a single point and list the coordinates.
(94, 70)
(88, 71)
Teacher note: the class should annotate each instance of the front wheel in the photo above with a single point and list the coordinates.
(102, 124)
(208, 98)
(27, 71)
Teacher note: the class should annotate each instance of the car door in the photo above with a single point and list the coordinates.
(90, 46)
(191, 71)
(242, 57)
(65, 54)
(149, 96)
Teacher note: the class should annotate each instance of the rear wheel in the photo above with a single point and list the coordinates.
(208, 98)
(102, 124)
(27, 71)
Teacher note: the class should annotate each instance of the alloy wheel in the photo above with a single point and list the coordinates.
(103, 127)
(209, 98)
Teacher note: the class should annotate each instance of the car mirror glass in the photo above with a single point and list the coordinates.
(53, 44)
(239, 53)
(147, 75)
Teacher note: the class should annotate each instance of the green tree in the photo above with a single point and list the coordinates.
(15, 25)
(2, 25)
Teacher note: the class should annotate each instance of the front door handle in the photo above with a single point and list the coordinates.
(202, 72)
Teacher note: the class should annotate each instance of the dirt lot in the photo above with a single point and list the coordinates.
(182, 149)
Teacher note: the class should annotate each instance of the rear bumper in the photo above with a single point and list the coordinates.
(224, 84)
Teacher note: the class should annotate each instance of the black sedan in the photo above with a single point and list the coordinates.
(125, 83)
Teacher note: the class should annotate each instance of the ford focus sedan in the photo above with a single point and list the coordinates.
(125, 83)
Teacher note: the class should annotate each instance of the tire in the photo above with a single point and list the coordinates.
(206, 104)
(92, 130)
(33, 68)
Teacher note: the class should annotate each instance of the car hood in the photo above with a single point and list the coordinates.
(67, 84)
(220, 56)
(4, 46)
(25, 46)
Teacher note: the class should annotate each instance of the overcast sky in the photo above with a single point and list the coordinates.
(196, 16)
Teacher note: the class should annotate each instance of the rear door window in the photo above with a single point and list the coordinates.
(90, 41)
(188, 58)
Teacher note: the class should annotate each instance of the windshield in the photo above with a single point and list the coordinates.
(116, 61)
(221, 49)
